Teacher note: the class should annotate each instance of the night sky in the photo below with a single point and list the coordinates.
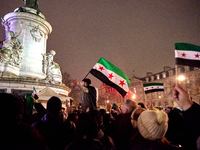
(137, 36)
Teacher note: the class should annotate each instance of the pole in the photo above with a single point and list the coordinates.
(86, 75)
(176, 74)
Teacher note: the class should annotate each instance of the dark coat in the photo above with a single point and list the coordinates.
(85, 144)
(89, 99)
(192, 119)
(176, 128)
(122, 131)
(57, 133)
(20, 136)
(140, 143)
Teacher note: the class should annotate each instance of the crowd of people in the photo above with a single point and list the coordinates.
(135, 126)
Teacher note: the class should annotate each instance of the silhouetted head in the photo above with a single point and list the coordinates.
(140, 104)
(129, 106)
(11, 107)
(88, 81)
(54, 104)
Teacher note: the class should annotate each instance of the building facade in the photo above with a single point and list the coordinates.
(190, 79)
(188, 76)
(109, 94)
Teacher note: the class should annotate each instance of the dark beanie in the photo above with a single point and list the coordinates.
(54, 104)
(88, 81)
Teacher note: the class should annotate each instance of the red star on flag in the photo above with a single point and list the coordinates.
(152, 87)
(111, 76)
(157, 87)
(183, 54)
(122, 83)
(197, 55)
(101, 68)
(147, 88)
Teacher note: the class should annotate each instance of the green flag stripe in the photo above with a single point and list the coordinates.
(113, 68)
(187, 47)
(152, 84)
(115, 77)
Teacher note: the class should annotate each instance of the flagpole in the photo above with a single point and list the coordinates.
(176, 72)
(86, 75)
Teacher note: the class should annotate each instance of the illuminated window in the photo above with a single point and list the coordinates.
(170, 72)
(165, 94)
(158, 76)
(147, 96)
(153, 95)
(164, 74)
(159, 94)
(134, 90)
(187, 68)
(141, 96)
(152, 78)
(178, 70)
(188, 80)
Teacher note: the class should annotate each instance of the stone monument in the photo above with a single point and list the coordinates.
(23, 56)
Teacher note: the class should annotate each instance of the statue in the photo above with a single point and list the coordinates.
(50, 68)
(30, 6)
(31, 3)
(11, 50)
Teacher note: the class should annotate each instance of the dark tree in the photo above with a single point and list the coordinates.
(75, 92)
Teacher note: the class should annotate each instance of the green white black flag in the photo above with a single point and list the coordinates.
(111, 75)
(187, 54)
(153, 87)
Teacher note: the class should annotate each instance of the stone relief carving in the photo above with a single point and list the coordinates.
(6, 24)
(50, 68)
(11, 48)
(36, 34)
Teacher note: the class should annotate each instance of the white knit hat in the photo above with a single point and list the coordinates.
(153, 125)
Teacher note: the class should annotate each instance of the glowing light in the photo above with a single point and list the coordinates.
(181, 78)
(133, 96)
(108, 101)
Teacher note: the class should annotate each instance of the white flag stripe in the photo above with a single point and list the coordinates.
(188, 54)
(153, 87)
(116, 79)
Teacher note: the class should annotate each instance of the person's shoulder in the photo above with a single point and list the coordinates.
(91, 87)
(39, 124)
(196, 105)
(194, 108)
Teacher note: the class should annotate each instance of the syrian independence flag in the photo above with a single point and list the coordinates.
(34, 90)
(111, 75)
(153, 87)
(187, 54)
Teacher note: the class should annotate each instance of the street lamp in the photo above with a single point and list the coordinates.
(133, 96)
(181, 78)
